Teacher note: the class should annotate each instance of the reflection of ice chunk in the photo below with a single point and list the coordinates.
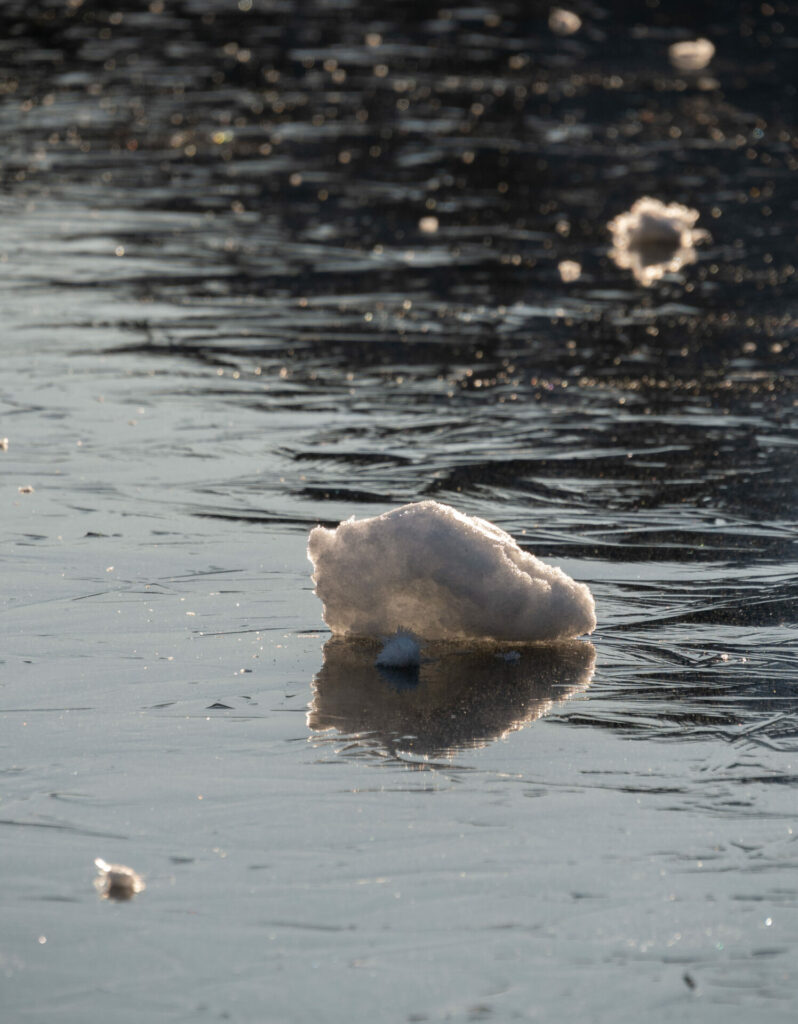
(692, 55)
(116, 881)
(563, 22)
(427, 568)
(653, 238)
(401, 650)
(462, 699)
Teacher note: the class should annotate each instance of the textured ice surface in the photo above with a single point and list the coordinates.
(427, 568)
(401, 650)
(652, 238)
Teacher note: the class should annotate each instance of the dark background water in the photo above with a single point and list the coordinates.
(225, 319)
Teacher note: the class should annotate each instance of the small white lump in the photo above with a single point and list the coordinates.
(428, 569)
(564, 23)
(569, 270)
(116, 881)
(691, 55)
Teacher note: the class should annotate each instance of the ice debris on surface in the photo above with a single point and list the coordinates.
(569, 270)
(652, 238)
(432, 570)
(564, 23)
(401, 650)
(116, 881)
(691, 55)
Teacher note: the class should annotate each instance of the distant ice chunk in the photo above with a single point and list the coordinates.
(432, 570)
(569, 270)
(691, 55)
(564, 23)
(117, 881)
(652, 238)
(401, 650)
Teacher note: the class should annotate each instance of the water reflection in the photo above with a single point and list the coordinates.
(458, 699)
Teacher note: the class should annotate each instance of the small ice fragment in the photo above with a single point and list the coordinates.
(691, 55)
(652, 238)
(570, 270)
(117, 882)
(402, 650)
(430, 569)
(509, 656)
(429, 225)
(563, 22)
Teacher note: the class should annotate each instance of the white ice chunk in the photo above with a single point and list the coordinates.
(427, 568)
(402, 650)
(569, 270)
(691, 55)
(652, 238)
(563, 22)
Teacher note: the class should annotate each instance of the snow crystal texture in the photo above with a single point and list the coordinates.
(432, 570)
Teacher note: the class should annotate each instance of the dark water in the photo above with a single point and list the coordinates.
(225, 319)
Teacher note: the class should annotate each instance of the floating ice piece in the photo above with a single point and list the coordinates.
(427, 568)
(563, 22)
(402, 650)
(691, 55)
(653, 239)
(570, 270)
(117, 882)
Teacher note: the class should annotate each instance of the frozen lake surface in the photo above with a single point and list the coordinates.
(269, 265)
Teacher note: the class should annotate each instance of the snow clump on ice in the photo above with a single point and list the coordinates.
(691, 55)
(432, 570)
(563, 22)
(569, 270)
